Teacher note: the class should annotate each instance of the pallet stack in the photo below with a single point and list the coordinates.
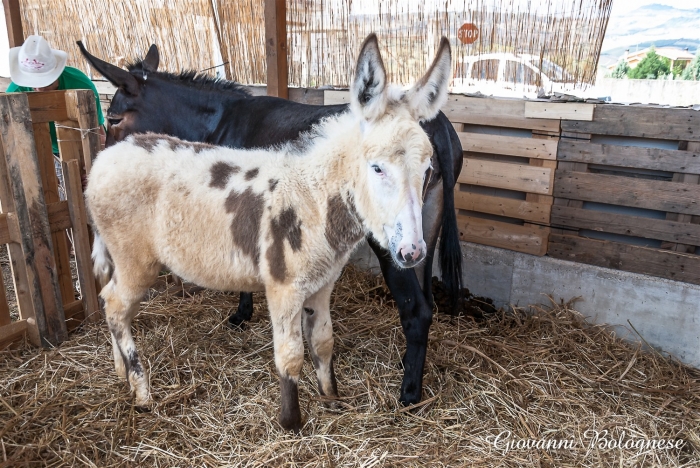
(627, 193)
(504, 192)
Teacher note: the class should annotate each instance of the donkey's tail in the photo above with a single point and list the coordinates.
(449, 151)
(101, 260)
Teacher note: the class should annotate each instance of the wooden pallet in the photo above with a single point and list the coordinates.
(34, 221)
(504, 192)
(627, 194)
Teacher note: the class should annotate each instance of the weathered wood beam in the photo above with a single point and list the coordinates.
(276, 47)
(13, 19)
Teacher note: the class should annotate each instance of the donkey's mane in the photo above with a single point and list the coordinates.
(192, 78)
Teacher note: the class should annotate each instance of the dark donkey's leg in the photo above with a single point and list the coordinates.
(416, 317)
(244, 311)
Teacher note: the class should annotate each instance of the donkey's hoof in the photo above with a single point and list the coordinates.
(236, 323)
(291, 423)
(143, 406)
(142, 409)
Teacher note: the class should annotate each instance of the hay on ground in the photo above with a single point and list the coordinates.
(539, 375)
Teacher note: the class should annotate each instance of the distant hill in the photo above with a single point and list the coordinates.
(659, 25)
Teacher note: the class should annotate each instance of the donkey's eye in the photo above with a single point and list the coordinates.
(114, 121)
(377, 169)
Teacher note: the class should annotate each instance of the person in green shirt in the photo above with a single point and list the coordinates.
(35, 66)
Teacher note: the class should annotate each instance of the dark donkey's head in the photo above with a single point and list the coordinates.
(151, 101)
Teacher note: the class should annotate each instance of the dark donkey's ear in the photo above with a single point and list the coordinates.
(150, 63)
(117, 76)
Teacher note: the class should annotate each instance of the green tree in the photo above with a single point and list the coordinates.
(650, 67)
(692, 71)
(678, 69)
(621, 70)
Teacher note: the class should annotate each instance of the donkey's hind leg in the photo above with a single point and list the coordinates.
(122, 296)
(244, 312)
(318, 330)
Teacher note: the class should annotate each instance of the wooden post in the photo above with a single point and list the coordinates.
(19, 268)
(276, 47)
(49, 182)
(81, 108)
(32, 219)
(81, 239)
(13, 19)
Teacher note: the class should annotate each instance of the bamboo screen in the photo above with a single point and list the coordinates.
(324, 36)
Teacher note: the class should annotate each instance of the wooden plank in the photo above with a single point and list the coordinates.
(49, 184)
(508, 145)
(507, 176)
(83, 110)
(20, 154)
(81, 240)
(686, 179)
(627, 191)
(656, 262)
(12, 332)
(5, 318)
(302, 95)
(73, 309)
(559, 110)
(59, 216)
(48, 106)
(645, 122)
(537, 213)
(547, 200)
(494, 112)
(335, 96)
(529, 239)
(655, 159)
(256, 90)
(616, 223)
(4, 230)
(306, 96)
(13, 21)
(17, 262)
(276, 47)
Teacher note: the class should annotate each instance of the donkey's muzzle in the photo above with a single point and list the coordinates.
(409, 255)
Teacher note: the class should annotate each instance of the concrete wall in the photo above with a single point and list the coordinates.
(666, 313)
(674, 92)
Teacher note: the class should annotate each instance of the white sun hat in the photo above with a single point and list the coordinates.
(35, 64)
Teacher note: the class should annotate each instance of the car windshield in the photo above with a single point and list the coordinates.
(521, 73)
(554, 72)
(485, 69)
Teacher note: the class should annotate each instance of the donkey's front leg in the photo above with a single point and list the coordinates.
(416, 317)
(318, 330)
(285, 305)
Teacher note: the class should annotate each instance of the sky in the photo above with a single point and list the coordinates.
(629, 5)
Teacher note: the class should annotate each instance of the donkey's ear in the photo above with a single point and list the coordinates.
(117, 76)
(427, 96)
(368, 95)
(150, 63)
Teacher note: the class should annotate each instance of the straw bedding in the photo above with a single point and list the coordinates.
(538, 374)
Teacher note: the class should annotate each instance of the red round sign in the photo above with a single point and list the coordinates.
(468, 33)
